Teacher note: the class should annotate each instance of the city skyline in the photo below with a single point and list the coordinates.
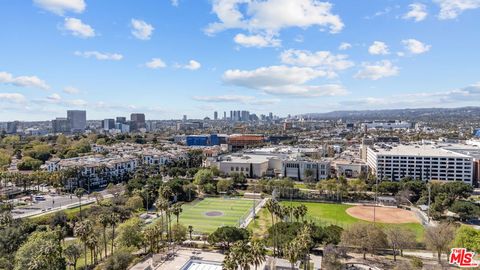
(173, 58)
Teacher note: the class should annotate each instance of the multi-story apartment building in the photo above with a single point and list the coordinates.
(424, 162)
(95, 171)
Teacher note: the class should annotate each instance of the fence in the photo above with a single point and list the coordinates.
(248, 217)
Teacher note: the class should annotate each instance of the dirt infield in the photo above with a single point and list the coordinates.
(383, 214)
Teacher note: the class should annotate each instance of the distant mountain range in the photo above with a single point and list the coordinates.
(404, 114)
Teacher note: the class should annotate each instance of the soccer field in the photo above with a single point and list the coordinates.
(208, 214)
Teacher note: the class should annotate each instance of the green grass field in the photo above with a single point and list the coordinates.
(324, 214)
(195, 214)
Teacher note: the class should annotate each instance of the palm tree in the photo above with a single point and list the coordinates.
(258, 252)
(79, 192)
(162, 205)
(296, 213)
(190, 231)
(165, 192)
(305, 243)
(241, 254)
(83, 230)
(113, 220)
(290, 251)
(302, 211)
(92, 244)
(72, 252)
(104, 219)
(176, 210)
(229, 262)
(149, 234)
(271, 206)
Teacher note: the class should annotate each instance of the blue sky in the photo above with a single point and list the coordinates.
(169, 58)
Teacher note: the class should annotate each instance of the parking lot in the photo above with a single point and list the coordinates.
(48, 203)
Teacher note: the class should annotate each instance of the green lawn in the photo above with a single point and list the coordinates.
(232, 211)
(70, 212)
(325, 214)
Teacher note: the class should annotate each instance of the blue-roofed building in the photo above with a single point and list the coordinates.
(476, 133)
(206, 140)
(198, 140)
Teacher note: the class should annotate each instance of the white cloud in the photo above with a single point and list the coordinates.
(76, 102)
(12, 98)
(344, 46)
(141, 29)
(59, 7)
(78, 28)
(456, 97)
(100, 55)
(298, 39)
(283, 80)
(192, 65)
(249, 100)
(54, 98)
(451, 9)
(324, 60)
(417, 12)
(224, 98)
(71, 90)
(23, 81)
(378, 48)
(415, 47)
(377, 70)
(174, 2)
(155, 63)
(258, 41)
(271, 16)
(383, 12)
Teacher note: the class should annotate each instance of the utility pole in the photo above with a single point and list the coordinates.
(429, 201)
(146, 188)
(254, 201)
(375, 201)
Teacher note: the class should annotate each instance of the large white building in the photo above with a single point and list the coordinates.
(295, 163)
(424, 162)
(389, 125)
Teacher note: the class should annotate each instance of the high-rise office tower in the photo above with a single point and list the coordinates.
(121, 120)
(215, 115)
(77, 120)
(108, 124)
(137, 121)
(60, 125)
(245, 116)
(224, 115)
(184, 118)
